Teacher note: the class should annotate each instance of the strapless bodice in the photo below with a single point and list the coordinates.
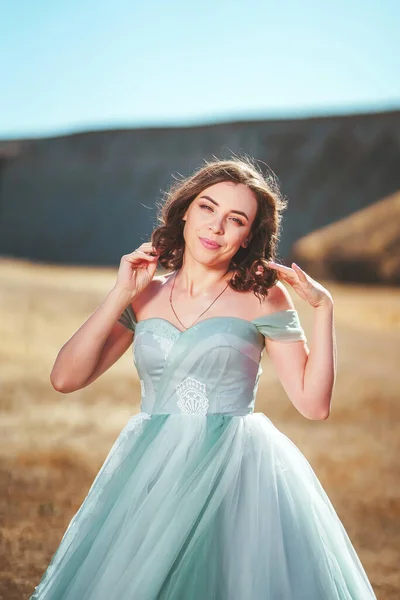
(212, 367)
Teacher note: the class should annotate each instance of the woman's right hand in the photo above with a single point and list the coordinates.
(137, 269)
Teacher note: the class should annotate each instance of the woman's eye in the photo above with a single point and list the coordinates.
(234, 218)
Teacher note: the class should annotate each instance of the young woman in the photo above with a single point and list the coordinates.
(201, 498)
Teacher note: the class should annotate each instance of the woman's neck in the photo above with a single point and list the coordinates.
(203, 283)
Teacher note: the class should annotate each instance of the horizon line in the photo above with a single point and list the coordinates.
(201, 122)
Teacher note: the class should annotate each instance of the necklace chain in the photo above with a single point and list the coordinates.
(170, 301)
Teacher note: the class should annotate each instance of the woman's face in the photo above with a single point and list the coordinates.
(222, 213)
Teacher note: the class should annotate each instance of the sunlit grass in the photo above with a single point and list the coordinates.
(52, 445)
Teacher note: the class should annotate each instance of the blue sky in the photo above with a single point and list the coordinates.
(75, 65)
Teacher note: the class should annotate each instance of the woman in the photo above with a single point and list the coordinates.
(200, 497)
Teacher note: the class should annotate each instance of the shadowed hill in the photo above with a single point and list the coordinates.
(364, 247)
(88, 198)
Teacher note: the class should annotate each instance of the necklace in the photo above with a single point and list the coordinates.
(170, 301)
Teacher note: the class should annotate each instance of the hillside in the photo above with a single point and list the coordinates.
(88, 198)
(364, 247)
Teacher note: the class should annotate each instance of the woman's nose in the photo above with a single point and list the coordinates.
(216, 226)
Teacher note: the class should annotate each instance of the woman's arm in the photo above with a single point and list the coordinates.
(308, 374)
(320, 371)
(99, 339)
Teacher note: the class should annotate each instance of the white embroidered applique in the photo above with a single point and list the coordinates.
(257, 381)
(135, 423)
(192, 397)
(166, 337)
(164, 344)
(135, 346)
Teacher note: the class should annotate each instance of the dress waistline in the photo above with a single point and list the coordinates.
(207, 415)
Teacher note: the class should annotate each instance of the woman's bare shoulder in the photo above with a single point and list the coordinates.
(150, 292)
(278, 299)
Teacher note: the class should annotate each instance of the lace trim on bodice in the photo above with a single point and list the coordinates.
(192, 397)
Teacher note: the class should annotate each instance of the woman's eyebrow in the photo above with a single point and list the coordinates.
(239, 212)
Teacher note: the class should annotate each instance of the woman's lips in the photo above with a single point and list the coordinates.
(208, 244)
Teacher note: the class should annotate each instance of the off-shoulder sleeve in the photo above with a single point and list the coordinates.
(128, 318)
(283, 326)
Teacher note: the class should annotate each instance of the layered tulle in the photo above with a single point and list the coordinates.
(195, 507)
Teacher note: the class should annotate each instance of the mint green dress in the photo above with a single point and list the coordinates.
(201, 498)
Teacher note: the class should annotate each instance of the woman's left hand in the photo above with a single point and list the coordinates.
(305, 286)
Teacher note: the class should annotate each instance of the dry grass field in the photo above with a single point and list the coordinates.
(52, 445)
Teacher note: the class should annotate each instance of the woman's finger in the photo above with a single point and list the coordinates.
(280, 268)
(139, 255)
(299, 271)
(292, 275)
(145, 255)
(143, 250)
(287, 275)
(302, 275)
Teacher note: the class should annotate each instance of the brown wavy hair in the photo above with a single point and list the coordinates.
(168, 238)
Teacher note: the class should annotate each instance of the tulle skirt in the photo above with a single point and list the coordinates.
(194, 507)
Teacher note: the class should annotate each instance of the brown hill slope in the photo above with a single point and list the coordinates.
(364, 247)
